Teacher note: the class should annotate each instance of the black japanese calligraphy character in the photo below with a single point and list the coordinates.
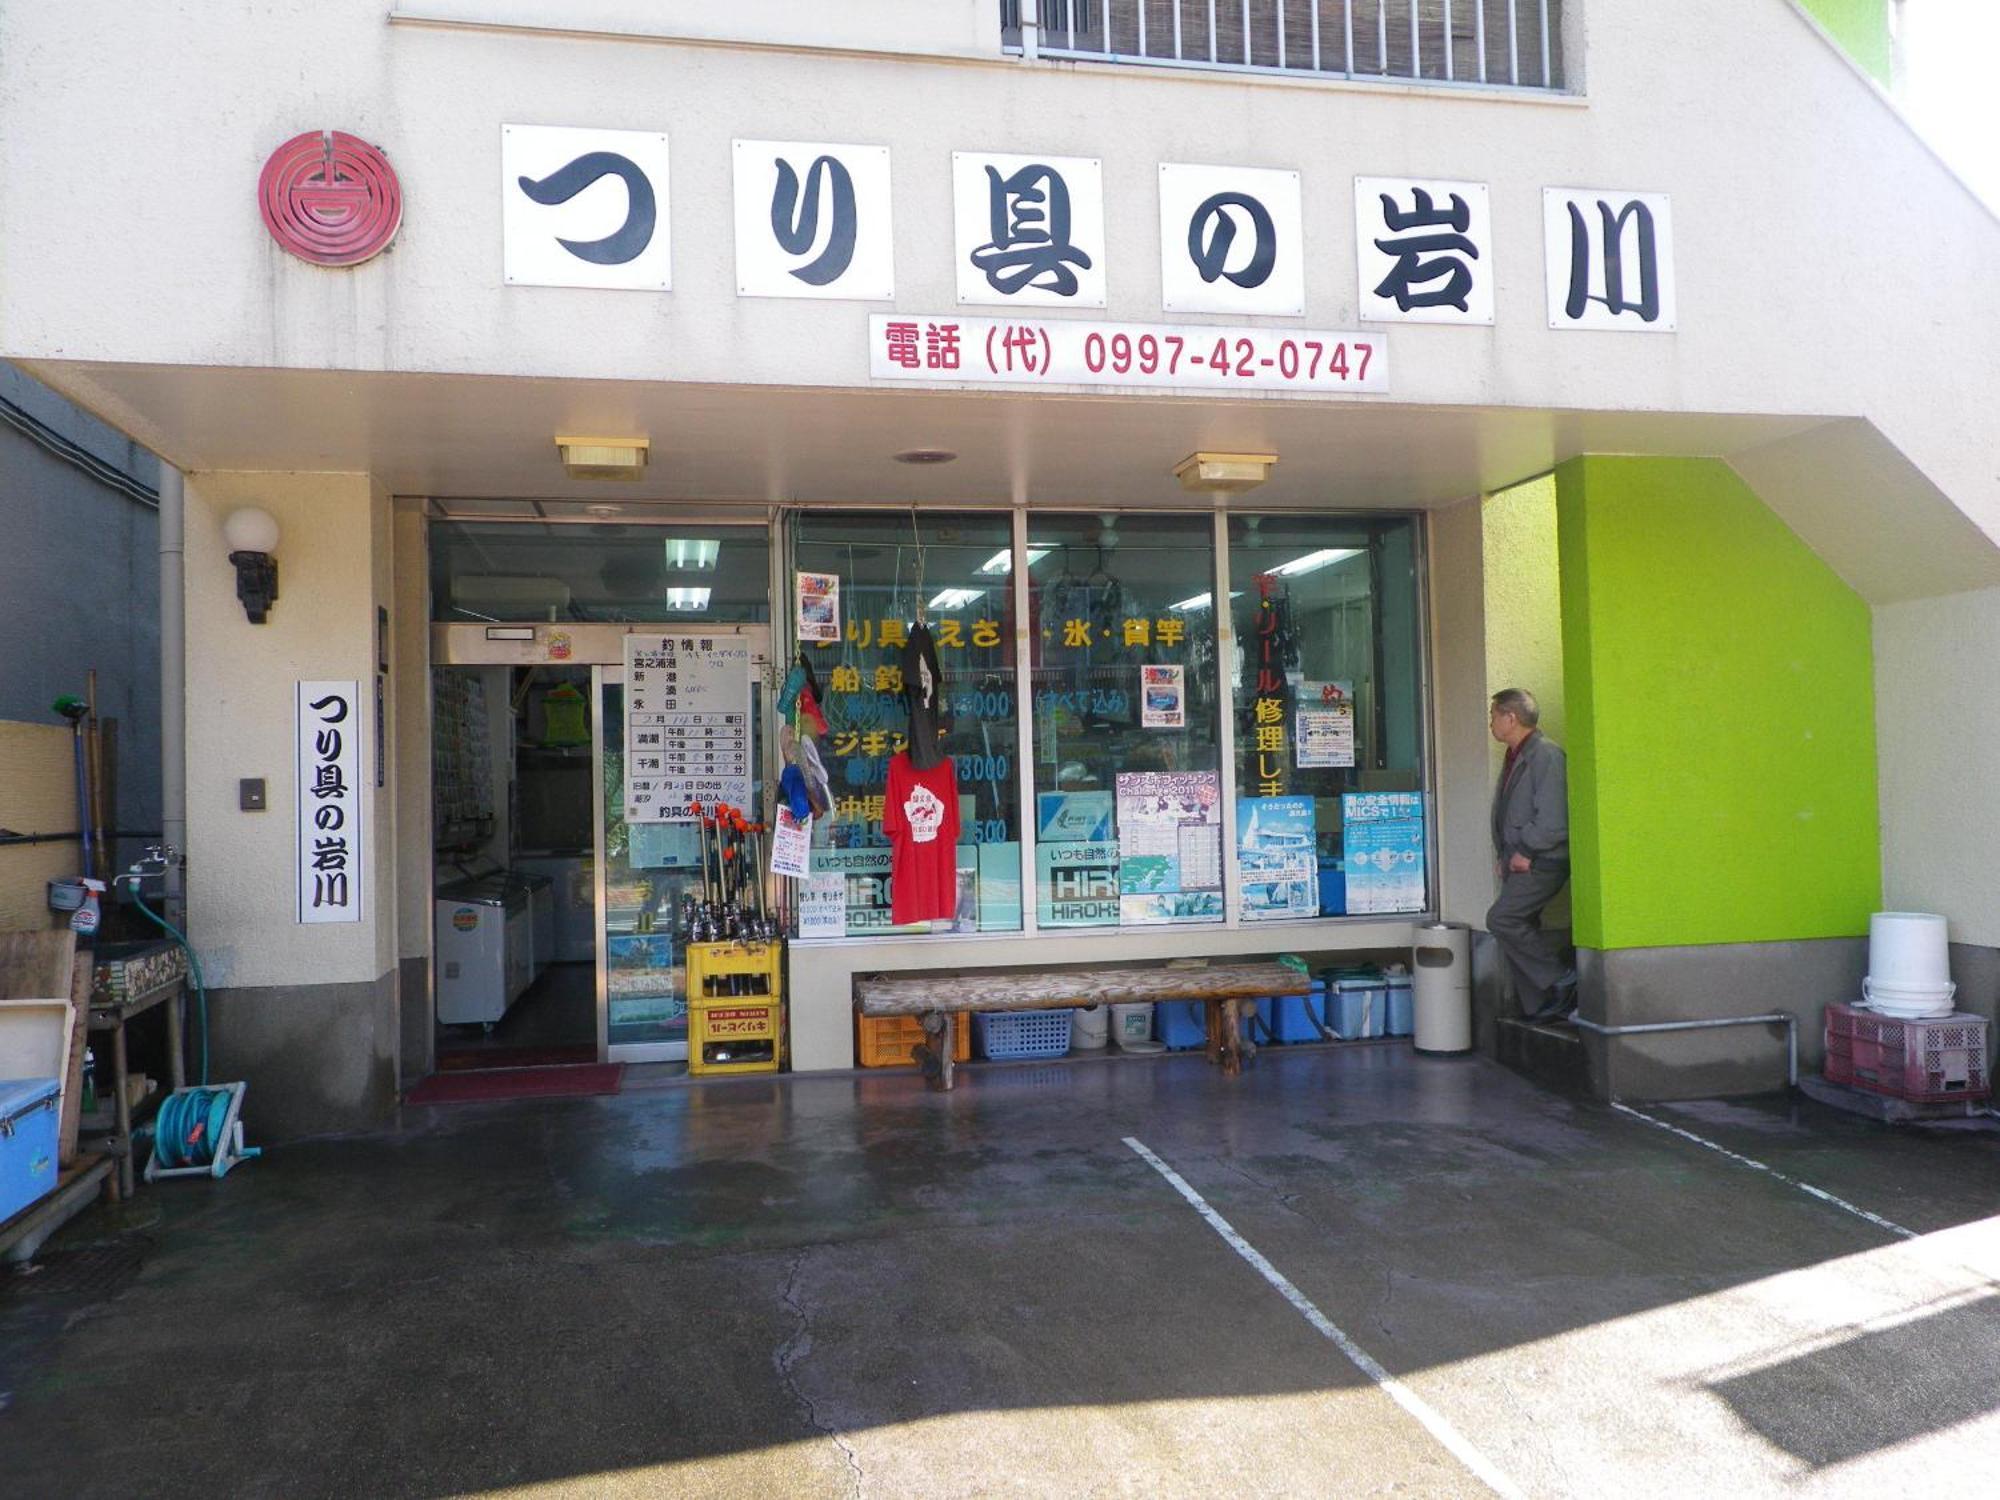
(339, 704)
(795, 221)
(630, 239)
(326, 744)
(328, 782)
(1580, 296)
(330, 890)
(1212, 234)
(329, 854)
(1425, 258)
(1028, 217)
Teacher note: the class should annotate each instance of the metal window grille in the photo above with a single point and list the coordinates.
(1503, 43)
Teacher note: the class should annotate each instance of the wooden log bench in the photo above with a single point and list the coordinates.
(940, 999)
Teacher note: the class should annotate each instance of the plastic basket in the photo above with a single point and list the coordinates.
(1923, 1061)
(1007, 1034)
(888, 1041)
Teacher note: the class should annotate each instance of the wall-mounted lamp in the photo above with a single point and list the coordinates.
(1224, 473)
(252, 535)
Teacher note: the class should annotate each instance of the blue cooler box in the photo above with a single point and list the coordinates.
(30, 1110)
(1293, 1017)
(1402, 1011)
(1183, 1024)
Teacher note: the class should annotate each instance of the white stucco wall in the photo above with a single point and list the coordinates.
(1803, 208)
(241, 885)
(1937, 721)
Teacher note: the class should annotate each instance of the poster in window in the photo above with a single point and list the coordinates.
(1076, 884)
(823, 906)
(1325, 725)
(1169, 847)
(819, 607)
(1383, 842)
(1277, 856)
(1163, 697)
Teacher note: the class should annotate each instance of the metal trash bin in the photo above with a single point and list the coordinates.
(1441, 960)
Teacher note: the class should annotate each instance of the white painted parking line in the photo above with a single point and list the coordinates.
(1482, 1467)
(1757, 1166)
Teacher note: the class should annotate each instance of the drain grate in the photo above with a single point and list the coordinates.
(90, 1272)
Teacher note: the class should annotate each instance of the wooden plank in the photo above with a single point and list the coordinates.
(83, 974)
(1054, 989)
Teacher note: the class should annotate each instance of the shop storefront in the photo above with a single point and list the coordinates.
(1233, 427)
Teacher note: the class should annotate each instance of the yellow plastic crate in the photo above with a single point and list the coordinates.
(720, 962)
(733, 1025)
(886, 1041)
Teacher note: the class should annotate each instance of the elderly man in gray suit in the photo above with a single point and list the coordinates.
(1531, 839)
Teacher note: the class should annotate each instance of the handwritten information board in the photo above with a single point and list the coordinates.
(687, 724)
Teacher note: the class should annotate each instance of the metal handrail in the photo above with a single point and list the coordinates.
(1442, 43)
(1776, 1018)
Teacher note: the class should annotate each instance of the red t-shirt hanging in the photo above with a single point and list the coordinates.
(920, 816)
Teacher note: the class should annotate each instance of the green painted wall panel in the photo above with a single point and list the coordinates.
(1862, 28)
(1720, 694)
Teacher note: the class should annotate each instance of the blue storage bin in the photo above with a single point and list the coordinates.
(1292, 1016)
(1402, 1005)
(1005, 1034)
(1181, 1024)
(30, 1110)
(1358, 1009)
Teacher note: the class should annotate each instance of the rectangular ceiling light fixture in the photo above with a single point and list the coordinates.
(691, 554)
(688, 601)
(1000, 564)
(602, 458)
(955, 598)
(1312, 562)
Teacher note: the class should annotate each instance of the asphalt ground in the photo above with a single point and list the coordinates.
(1352, 1271)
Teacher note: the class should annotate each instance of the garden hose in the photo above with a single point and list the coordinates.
(188, 1131)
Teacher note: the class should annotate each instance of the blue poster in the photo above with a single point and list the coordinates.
(1073, 817)
(1383, 840)
(1278, 856)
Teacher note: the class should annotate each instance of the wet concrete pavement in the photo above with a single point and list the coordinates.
(847, 1285)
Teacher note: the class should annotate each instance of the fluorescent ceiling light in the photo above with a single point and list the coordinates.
(1313, 561)
(689, 600)
(1002, 563)
(955, 598)
(691, 554)
(1203, 601)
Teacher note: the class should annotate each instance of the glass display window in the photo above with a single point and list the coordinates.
(1327, 696)
(699, 572)
(865, 582)
(1127, 761)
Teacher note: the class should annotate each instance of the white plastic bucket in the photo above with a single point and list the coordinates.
(1089, 1028)
(1909, 1002)
(1132, 1023)
(1909, 951)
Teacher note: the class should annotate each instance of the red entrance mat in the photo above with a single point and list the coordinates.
(474, 1059)
(517, 1083)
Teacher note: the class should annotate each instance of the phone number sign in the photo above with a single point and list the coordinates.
(1016, 351)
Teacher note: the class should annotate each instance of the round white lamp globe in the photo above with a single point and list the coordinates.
(251, 530)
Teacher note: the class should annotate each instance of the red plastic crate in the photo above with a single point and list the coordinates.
(1922, 1061)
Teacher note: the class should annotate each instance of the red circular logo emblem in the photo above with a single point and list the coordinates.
(330, 198)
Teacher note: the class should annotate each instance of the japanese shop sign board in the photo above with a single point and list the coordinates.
(585, 208)
(1232, 240)
(687, 724)
(1424, 250)
(1382, 838)
(1169, 847)
(1076, 884)
(1609, 258)
(1069, 351)
(812, 220)
(1277, 854)
(328, 730)
(1028, 230)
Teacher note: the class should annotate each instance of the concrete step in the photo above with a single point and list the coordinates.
(1552, 1056)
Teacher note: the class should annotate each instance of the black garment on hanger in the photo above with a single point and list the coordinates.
(923, 693)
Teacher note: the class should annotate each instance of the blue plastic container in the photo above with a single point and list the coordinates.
(1359, 1007)
(30, 1109)
(1005, 1034)
(1292, 1016)
(1181, 1024)
(1402, 1005)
